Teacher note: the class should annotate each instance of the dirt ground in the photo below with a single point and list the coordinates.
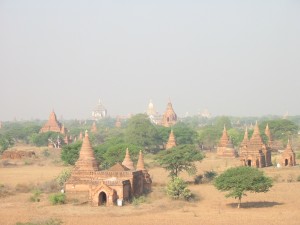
(279, 206)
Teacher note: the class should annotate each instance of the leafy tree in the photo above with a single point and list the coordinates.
(70, 153)
(281, 129)
(42, 138)
(184, 134)
(6, 141)
(210, 135)
(239, 180)
(221, 121)
(178, 159)
(236, 136)
(116, 153)
(177, 189)
(141, 132)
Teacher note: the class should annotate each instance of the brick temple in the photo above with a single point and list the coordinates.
(104, 187)
(225, 147)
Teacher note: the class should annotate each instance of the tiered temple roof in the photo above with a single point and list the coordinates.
(99, 112)
(225, 147)
(255, 153)
(169, 118)
(53, 125)
(288, 156)
(171, 141)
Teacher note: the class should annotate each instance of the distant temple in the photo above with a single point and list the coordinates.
(119, 183)
(288, 157)
(53, 125)
(99, 112)
(171, 141)
(225, 147)
(153, 115)
(254, 152)
(169, 118)
(94, 128)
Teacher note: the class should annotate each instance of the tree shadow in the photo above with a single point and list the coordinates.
(255, 204)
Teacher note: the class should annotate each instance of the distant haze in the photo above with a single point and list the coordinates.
(232, 57)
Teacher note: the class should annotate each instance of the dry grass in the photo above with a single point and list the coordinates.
(280, 206)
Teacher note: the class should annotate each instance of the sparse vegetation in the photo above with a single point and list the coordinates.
(36, 195)
(63, 177)
(57, 199)
(46, 222)
(136, 201)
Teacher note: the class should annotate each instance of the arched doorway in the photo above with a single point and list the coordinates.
(102, 199)
(286, 162)
(249, 162)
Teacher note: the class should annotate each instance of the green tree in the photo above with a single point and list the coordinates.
(221, 121)
(141, 132)
(42, 138)
(6, 141)
(177, 189)
(178, 159)
(210, 135)
(70, 153)
(184, 134)
(239, 180)
(281, 129)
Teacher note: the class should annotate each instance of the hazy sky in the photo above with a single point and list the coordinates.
(231, 57)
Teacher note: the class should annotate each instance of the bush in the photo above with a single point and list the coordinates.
(138, 200)
(57, 199)
(177, 189)
(46, 153)
(209, 175)
(63, 177)
(36, 194)
(198, 179)
(298, 178)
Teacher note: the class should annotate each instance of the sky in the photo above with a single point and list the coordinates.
(239, 58)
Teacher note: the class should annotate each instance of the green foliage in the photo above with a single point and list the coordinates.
(237, 181)
(184, 134)
(210, 175)
(178, 159)
(63, 177)
(70, 153)
(57, 199)
(42, 138)
(236, 136)
(177, 189)
(141, 132)
(46, 222)
(136, 201)
(210, 135)
(198, 179)
(281, 129)
(36, 195)
(221, 121)
(6, 141)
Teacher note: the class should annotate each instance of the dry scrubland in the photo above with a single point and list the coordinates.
(279, 206)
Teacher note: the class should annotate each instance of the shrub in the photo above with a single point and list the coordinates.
(63, 177)
(177, 189)
(298, 178)
(209, 175)
(198, 179)
(36, 194)
(57, 199)
(138, 200)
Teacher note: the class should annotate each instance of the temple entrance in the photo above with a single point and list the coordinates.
(286, 162)
(102, 199)
(249, 162)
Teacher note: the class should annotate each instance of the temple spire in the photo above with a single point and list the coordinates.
(171, 141)
(127, 161)
(140, 164)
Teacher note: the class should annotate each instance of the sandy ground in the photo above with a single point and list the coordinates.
(278, 206)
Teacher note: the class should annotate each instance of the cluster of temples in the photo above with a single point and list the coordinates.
(168, 119)
(254, 152)
(104, 187)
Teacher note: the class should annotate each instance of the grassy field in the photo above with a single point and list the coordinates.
(280, 206)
